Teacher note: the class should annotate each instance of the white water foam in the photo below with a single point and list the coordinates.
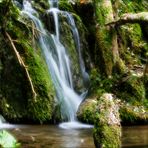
(74, 125)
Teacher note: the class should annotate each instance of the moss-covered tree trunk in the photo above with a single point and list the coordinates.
(106, 36)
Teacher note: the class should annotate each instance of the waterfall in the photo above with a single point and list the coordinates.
(75, 32)
(2, 120)
(58, 63)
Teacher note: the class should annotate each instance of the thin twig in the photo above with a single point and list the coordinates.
(21, 62)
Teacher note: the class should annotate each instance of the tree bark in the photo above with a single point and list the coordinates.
(106, 36)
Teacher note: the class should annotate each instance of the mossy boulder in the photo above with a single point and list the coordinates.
(87, 109)
(107, 129)
(103, 113)
(134, 46)
(133, 114)
(17, 100)
(131, 88)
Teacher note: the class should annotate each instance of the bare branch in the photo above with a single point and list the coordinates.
(21, 62)
(141, 17)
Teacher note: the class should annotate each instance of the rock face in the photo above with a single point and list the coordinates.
(107, 130)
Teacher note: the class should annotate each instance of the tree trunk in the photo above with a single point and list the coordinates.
(106, 37)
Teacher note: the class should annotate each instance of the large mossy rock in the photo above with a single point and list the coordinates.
(103, 112)
(107, 129)
(131, 89)
(17, 101)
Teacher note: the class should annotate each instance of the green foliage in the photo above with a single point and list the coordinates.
(8, 13)
(7, 140)
(41, 5)
(136, 47)
(100, 84)
(131, 90)
(133, 114)
(133, 6)
(87, 111)
(66, 6)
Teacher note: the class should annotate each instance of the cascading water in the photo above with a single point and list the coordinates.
(2, 120)
(58, 65)
(78, 47)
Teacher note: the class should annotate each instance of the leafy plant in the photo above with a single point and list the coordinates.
(7, 140)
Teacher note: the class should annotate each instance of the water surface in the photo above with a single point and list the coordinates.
(51, 136)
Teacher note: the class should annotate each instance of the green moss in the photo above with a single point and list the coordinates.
(16, 99)
(132, 90)
(65, 5)
(69, 42)
(108, 136)
(107, 133)
(100, 84)
(104, 55)
(41, 5)
(40, 110)
(86, 111)
(133, 6)
(133, 46)
(133, 114)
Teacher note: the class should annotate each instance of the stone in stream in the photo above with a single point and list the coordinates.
(104, 113)
(107, 129)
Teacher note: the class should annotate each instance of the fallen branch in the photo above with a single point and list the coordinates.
(21, 62)
(141, 17)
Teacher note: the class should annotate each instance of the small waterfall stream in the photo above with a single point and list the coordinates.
(76, 37)
(2, 120)
(58, 63)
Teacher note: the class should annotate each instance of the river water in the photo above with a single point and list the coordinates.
(51, 136)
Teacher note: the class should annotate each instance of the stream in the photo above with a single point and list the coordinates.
(51, 136)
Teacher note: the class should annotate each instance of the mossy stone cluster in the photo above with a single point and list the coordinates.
(17, 102)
